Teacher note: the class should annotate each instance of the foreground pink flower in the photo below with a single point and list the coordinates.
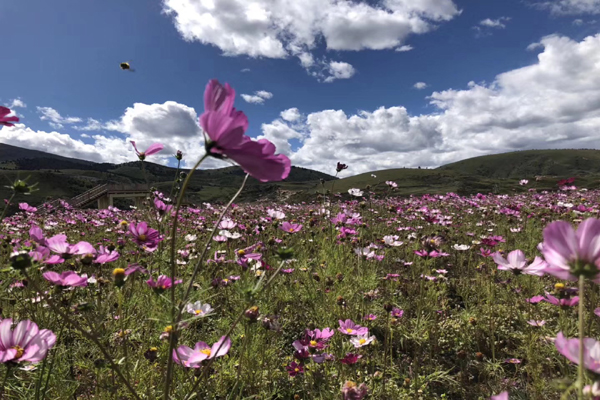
(144, 236)
(162, 283)
(58, 244)
(517, 263)
(192, 358)
(4, 120)
(226, 127)
(27, 208)
(566, 302)
(352, 392)
(290, 228)
(26, 343)
(67, 278)
(501, 396)
(153, 149)
(570, 349)
(571, 253)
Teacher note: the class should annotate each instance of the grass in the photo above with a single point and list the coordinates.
(463, 333)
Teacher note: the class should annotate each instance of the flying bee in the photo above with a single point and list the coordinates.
(125, 66)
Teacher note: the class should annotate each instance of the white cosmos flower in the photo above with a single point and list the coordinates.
(461, 247)
(392, 240)
(360, 341)
(191, 238)
(276, 214)
(199, 309)
(355, 192)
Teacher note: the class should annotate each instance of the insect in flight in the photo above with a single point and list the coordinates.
(125, 66)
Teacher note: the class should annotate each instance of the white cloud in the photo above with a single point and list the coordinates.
(17, 103)
(54, 118)
(258, 97)
(339, 70)
(570, 7)
(534, 46)
(245, 70)
(577, 22)
(406, 47)
(283, 28)
(420, 85)
(291, 114)
(92, 125)
(495, 23)
(554, 103)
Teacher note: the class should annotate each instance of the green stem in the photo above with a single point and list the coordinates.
(581, 319)
(4, 381)
(6, 207)
(173, 336)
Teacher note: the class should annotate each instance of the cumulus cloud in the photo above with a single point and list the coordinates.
(17, 103)
(284, 28)
(258, 97)
(406, 47)
(339, 70)
(291, 114)
(54, 118)
(495, 23)
(554, 103)
(570, 7)
(420, 85)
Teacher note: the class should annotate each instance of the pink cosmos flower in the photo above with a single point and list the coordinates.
(597, 311)
(226, 127)
(570, 349)
(570, 302)
(535, 299)
(294, 369)
(533, 322)
(397, 313)
(302, 351)
(566, 250)
(350, 359)
(133, 268)
(4, 120)
(352, 392)
(146, 237)
(290, 228)
(350, 328)
(58, 244)
(192, 358)
(27, 208)
(227, 224)
(37, 235)
(26, 343)
(370, 317)
(105, 256)
(67, 278)
(501, 396)
(162, 283)
(153, 149)
(517, 263)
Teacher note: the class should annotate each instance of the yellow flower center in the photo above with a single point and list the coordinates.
(241, 252)
(205, 351)
(143, 238)
(225, 280)
(313, 342)
(198, 312)
(362, 341)
(349, 330)
(296, 369)
(168, 328)
(559, 286)
(291, 229)
(123, 223)
(118, 272)
(19, 350)
(153, 349)
(163, 287)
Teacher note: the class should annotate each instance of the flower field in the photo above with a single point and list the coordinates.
(388, 298)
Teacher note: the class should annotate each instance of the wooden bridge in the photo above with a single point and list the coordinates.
(105, 194)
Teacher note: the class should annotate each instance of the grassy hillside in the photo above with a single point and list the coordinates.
(528, 164)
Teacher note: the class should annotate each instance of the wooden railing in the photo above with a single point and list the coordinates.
(91, 195)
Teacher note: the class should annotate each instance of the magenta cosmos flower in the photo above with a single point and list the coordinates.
(105, 256)
(58, 244)
(146, 237)
(153, 149)
(570, 349)
(571, 253)
(192, 358)
(566, 302)
(352, 392)
(517, 263)
(162, 283)
(226, 127)
(26, 343)
(348, 327)
(67, 278)
(4, 120)
(290, 228)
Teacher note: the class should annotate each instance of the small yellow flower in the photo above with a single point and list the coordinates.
(559, 286)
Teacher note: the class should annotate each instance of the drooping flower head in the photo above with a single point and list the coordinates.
(192, 358)
(4, 120)
(26, 343)
(352, 392)
(153, 149)
(340, 167)
(226, 127)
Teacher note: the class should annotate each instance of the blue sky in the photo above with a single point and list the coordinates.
(65, 55)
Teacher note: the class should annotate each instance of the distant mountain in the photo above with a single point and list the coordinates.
(63, 177)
